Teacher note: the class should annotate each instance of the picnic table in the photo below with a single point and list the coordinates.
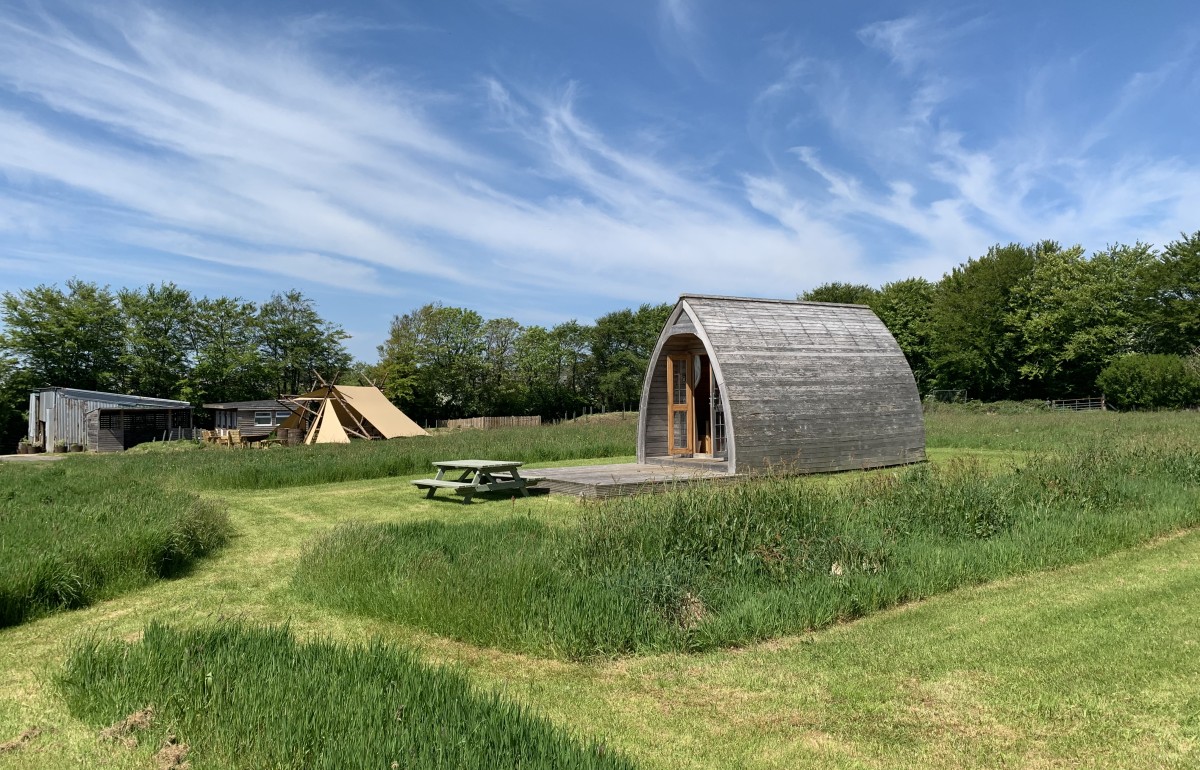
(477, 476)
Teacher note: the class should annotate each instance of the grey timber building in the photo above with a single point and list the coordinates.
(751, 384)
(255, 419)
(104, 422)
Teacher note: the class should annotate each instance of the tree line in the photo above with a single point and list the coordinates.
(442, 362)
(1043, 321)
(1021, 321)
(158, 341)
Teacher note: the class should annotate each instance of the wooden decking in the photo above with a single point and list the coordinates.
(631, 478)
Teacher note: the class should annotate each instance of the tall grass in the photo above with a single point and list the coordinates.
(705, 567)
(216, 468)
(1009, 426)
(246, 697)
(90, 527)
(70, 536)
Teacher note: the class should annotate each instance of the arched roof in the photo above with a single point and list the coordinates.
(817, 386)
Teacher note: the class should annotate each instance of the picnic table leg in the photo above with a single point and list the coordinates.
(517, 477)
(441, 472)
(475, 475)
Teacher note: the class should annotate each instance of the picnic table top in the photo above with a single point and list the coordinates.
(479, 465)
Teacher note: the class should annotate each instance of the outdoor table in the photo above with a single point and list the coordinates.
(476, 476)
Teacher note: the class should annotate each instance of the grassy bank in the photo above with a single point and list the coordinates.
(70, 536)
(711, 567)
(243, 697)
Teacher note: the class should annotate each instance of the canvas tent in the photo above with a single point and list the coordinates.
(337, 412)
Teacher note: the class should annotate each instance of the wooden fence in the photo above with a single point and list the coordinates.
(494, 422)
(1079, 404)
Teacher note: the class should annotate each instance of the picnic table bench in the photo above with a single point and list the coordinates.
(477, 476)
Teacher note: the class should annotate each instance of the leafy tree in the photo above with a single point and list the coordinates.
(432, 359)
(396, 371)
(14, 403)
(72, 339)
(1174, 289)
(574, 341)
(295, 341)
(905, 307)
(842, 293)
(622, 343)
(227, 366)
(498, 389)
(972, 346)
(159, 337)
(1074, 315)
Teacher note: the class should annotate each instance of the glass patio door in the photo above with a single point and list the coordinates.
(680, 436)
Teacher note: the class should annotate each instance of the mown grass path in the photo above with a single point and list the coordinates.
(1096, 665)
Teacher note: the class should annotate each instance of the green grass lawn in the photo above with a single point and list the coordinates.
(1092, 665)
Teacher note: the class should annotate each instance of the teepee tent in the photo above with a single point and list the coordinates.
(327, 429)
(341, 411)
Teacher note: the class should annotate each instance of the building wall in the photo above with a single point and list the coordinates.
(79, 421)
(115, 430)
(65, 417)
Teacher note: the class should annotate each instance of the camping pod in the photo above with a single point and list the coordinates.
(756, 384)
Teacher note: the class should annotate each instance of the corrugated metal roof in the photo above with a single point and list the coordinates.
(266, 403)
(118, 399)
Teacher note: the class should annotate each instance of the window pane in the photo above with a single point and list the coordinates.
(262, 418)
(281, 416)
(679, 429)
(679, 386)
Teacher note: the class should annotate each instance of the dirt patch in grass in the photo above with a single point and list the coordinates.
(123, 731)
(19, 742)
(172, 755)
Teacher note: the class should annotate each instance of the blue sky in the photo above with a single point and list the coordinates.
(549, 159)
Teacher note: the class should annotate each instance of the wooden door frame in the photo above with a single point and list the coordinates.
(688, 406)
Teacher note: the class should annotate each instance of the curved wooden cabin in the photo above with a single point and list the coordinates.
(753, 384)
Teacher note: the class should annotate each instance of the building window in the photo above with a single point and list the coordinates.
(262, 418)
(281, 416)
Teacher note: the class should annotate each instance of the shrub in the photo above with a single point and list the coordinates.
(1151, 381)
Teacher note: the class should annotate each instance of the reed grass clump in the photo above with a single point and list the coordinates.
(70, 537)
(241, 696)
(711, 566)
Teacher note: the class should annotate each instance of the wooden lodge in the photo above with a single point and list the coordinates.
(104, 422)
(802, 386)
(255, 419)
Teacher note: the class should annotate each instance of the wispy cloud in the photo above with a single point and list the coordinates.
(236, 149)
(682, 32)
(946, 194)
